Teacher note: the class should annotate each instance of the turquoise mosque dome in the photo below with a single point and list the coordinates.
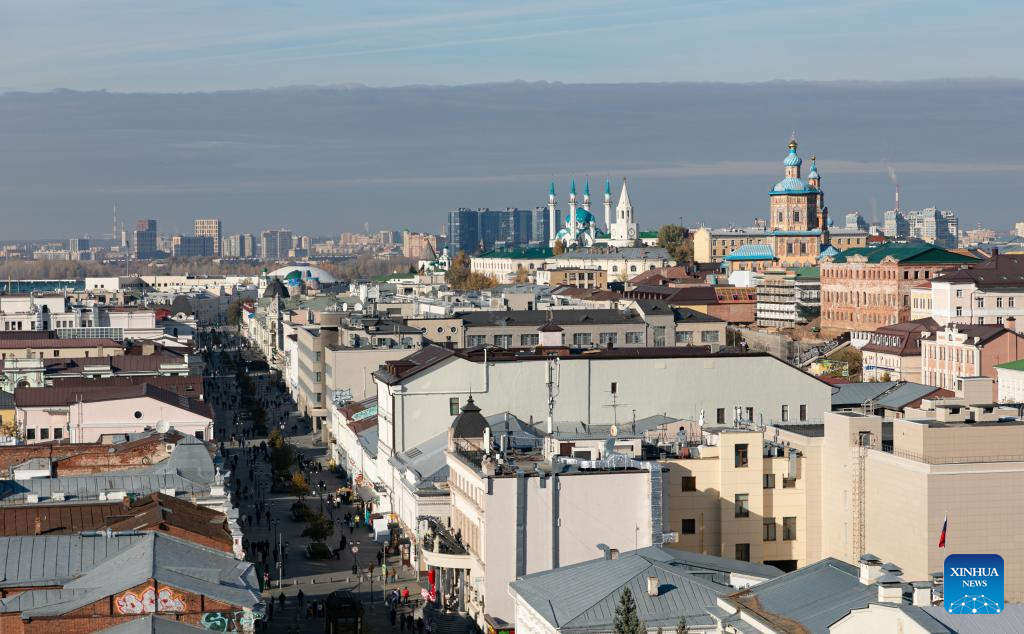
(582, 216)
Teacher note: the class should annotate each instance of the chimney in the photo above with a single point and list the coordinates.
(613, 553)
(870, 568)
(922, 593)
(652, 586)
(38, 525)
(890, 584)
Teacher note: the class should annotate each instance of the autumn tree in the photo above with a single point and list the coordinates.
(558, 248)
(522, 276)
(678, 242)
(300, 487)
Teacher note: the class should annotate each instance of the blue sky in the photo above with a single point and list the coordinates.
(202, 45)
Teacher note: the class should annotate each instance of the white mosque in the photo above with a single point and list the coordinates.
(580, 228)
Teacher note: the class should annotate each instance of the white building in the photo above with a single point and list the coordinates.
(1010, 382)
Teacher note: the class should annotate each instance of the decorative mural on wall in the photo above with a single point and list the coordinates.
(149, 600)
(243, 620)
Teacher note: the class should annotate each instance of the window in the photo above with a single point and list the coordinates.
(659, 336)
(709, 336)
(742, 505)
(959, 292)
(503, 341)
(959, 311)
(30, 434)
(635, 338)
(689, 526)
(803, 411)
(785, 413)
(473, 341)
(769, 480)
(58, 433)
(999, 302)
(1009, 302)
(743, 552)
(453, 406)
(720, 416)
(607, 338)
(317, 377)
(317, 356)
(318, 397)
(980, 302)
(768, 533)
(529, 340)
(788, 529)
(684, 336)
(689, 483)
(581, 339)
(44, 433)
(740, 455)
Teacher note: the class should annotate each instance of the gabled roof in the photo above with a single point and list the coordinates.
(54, 396)
(813, 597)
(152, 625)
(1002, 270)
(983, 332)
(583, 596)
(751, 252)
(55, 561)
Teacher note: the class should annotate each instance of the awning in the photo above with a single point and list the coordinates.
(366, 494)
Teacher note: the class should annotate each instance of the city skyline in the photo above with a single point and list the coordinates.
(329, 160)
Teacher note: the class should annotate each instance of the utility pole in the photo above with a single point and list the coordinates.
(280, 561)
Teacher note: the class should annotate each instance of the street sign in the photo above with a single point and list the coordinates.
(355, 549)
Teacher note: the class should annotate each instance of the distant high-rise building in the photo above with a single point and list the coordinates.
(539, 225)
(191, 246)
(419, 246)
(211, 228)
(1018, 229)
(239, 245)
(144, 240)
(938, 227)
(78, 244)
(275, 244)
(471, 230)
(896, 225)
(856, 222)
(463, 231)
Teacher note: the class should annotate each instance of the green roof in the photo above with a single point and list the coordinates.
(521, 253)
(906, 253)
(1013, 365)
(807, 273)
(648, 234)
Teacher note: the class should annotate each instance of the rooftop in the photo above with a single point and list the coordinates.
(905, 253)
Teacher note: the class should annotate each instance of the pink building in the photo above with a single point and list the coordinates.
(82, 414)
(959, 351)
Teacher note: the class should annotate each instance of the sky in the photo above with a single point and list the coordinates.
(200, 45)
(327, 116)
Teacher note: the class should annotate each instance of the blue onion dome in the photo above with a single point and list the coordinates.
(790, 185)
(792, 160)
(814, 169)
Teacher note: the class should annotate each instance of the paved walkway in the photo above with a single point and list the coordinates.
(314, 578)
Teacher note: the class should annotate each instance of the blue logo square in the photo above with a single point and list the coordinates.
(973, 584)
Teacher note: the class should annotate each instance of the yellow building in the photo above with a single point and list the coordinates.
(7, 425)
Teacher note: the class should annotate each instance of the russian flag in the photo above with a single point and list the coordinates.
(942, 535)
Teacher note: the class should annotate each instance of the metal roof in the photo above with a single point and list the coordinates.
(584, 596)
(752, 252)
(116, 563)
(152, 625)
(814, 596)
(1011, 619)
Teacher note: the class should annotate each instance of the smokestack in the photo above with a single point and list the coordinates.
(897, 196)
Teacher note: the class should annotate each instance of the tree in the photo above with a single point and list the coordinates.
(522, 276)
(318, 527)
(678, 242)
(299, 485)
(558, 248)
(626, 619)
(235, 313)
(458, 270)
(681, 625)
(9, 428)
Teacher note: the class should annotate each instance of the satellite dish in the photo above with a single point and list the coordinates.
(163, 426)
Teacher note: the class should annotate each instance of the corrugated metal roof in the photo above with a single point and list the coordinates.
(752, 252)
(152, 625)
(1011, 619)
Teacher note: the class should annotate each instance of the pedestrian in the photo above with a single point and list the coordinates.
(401, 623)
(391, 616)
(405, 595)
(280, 600)
(301, 596)
(419, 625)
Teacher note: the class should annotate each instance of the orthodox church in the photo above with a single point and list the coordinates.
(580, 228)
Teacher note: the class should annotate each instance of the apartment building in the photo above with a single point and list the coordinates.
(788, 298)
(729, 303)
(505, 264)
(987, 292)
(209, 228)
(737, 495)
(866, 288)
(1010, 382)
(949, 354)
(893, 353)
(647, 324)
(419, 395)
(525, 512)
(42, 348)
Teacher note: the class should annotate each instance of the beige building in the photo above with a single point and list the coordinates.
(737, 496)
(573, 276)
(210, 228)
(57, 348)
(885, 487)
